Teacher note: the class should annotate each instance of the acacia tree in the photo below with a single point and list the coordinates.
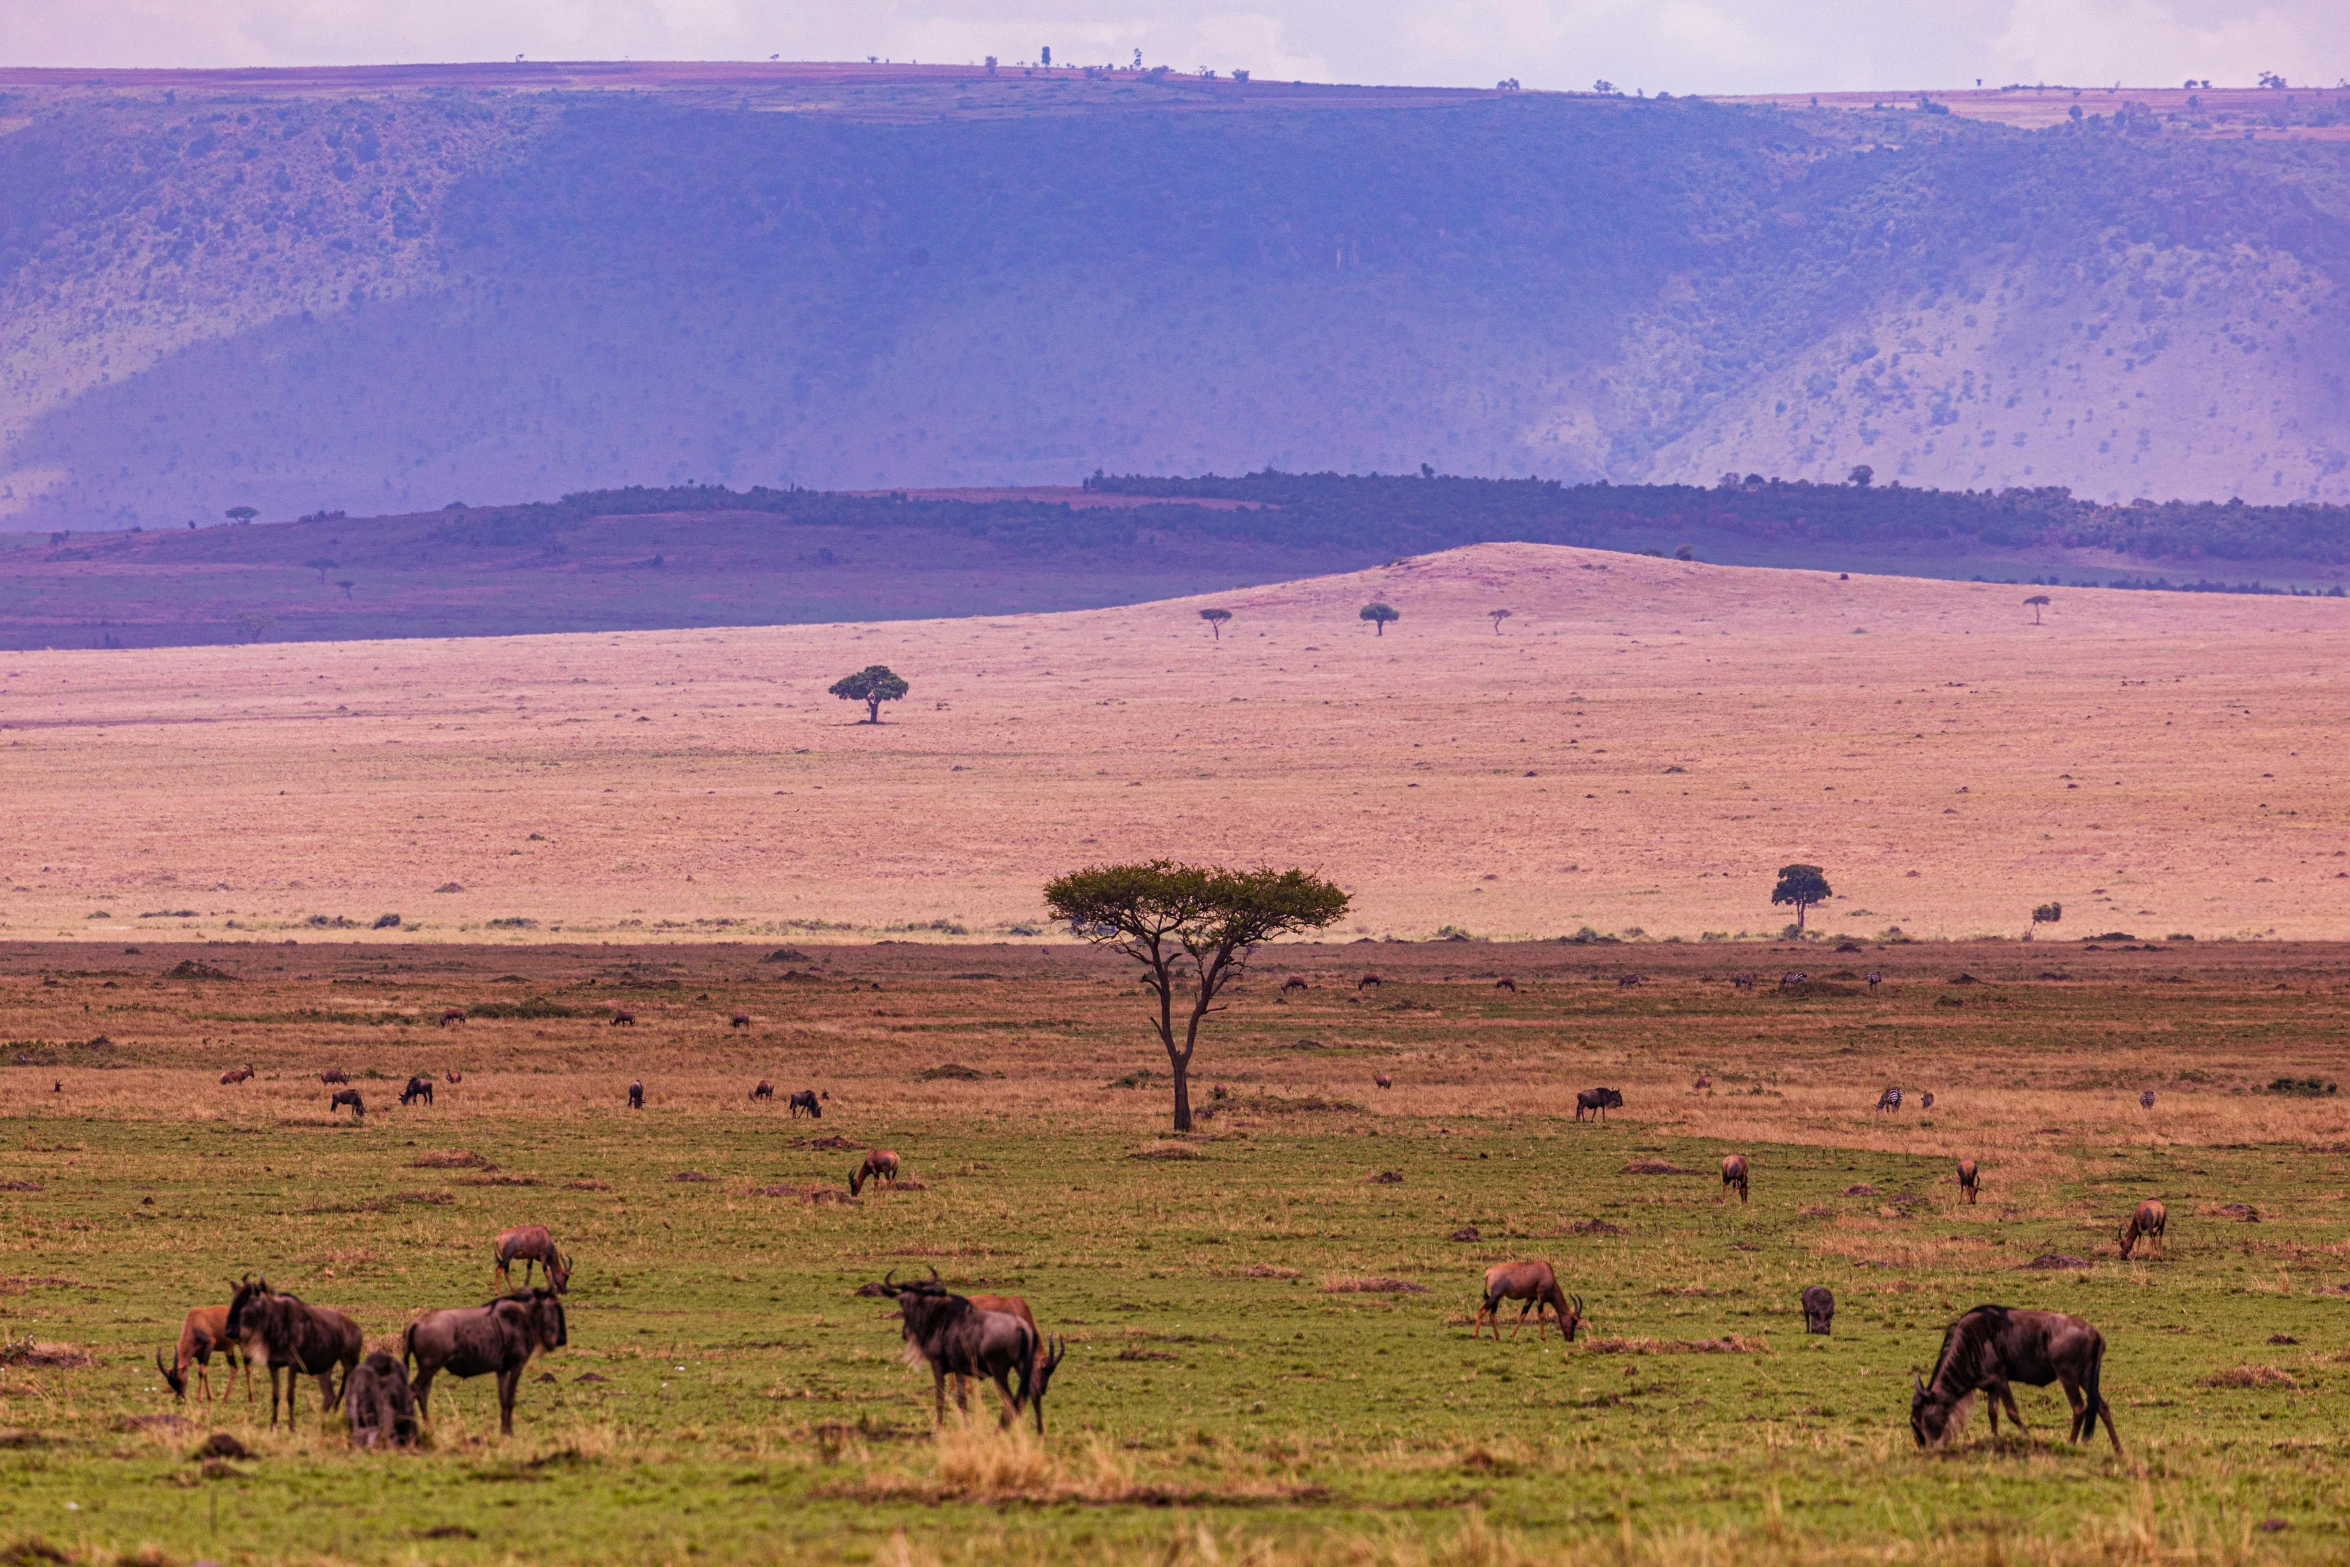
(1861, 476)
(1497, 616)
(2036, 603)
(872, 685)
(1803, 886)
(240, 514)
(1215, 619)
(1379, 615)
(1190, 927)
(2045, 914)
(322, 565)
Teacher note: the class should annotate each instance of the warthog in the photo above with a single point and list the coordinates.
(622, 1018)
(1819, 1309)
(348, 1096)
(418, 1088)
(531, 1245)
(202, 1331)
(237, 1074)
(452, 1016)
(739, 1020)
(881, 1164)
(1598, 1101)
(2147, 1225)
(765, 1090)
(955, 1338)
(805, 1099)
(1993, 1346)
(1535, 1286)
(1970, 1186)
(495, 1338)
(1890, 1099)
(636, 1094)
(378, 1404)
(285, 1334)
(332, 1075)
(1733, 1174)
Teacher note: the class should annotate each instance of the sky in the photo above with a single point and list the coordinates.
(1680, 46)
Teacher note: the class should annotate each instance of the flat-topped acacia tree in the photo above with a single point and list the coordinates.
(1189, 925)
(1215, 619)
(872, 685)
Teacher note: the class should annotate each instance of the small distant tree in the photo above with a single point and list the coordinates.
(2045, 914)
(345, 584)
(1379, 615)
(252, 624)
(240, 514)
(1803, 886)
(1862, 475)
(1191, 927)
(1497, 616)
(1215, 619)
(322, 566)
(872, 685)
(2038, 602)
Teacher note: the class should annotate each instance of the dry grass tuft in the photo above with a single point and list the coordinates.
(2053, 1261)
(2249, 1376)
(1163, 1150)
(1267, 1270)
(1656, 1167)
(41, 1354)
(450, 1159)
(1361, 1284)
(1727, 1344)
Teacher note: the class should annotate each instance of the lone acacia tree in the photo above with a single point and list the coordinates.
(2045, 914)
(1215, 619)
(1803, 886)
(1497, 616)
(240, 514)
(1190, 927)
(2036, 603)
(1380, 614)
(872, 685)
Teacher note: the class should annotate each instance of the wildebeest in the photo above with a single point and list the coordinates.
(805, 1099)
(636, 1094)
(1875, 979)
(1926, 1100)
(418, 1088)
(1819, 1309)
(1733, 1174)
(496, 1338)
(529, 1244)
(284, 1333)
(1890, 1099)
(378, 1404)
(236, 1074)
(1048, 1351)
(1969, 1184)
(1534, 1285)
(1506, 983)
(1742, 981)
(1703, 1082)
(880, 1164)
(2146, 1100)
(332, 1075)
(955, 1338)
(765, 1090)
(348, 1096)
(739, 1020)
(2147, 1225)
(202, 1331)
(451, 1016)
(1626, 981)
(1295, 982)
(1791, 979)
(1598, 1101)
(622, 1018)
(1368, 981)
(1382, 1080)
(1992, 1347)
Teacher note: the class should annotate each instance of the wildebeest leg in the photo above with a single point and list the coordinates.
(2007, 1397)
(938, 1397)
(326, 1397)
(508, 1382)
(1003, 1390)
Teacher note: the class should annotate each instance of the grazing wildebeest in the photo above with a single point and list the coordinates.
(1819, 1309)
(765, 1090)
(418, 1088)
(2146, 1100)
(451, 1016)
(348, 1096)
(1742, 981)
(529, 1244)
(880, 1164)
(332, 1075)
(497, 1338)
(1370, 981)
(1382, 1080)
(1890, 1099)
(236, 1074)
(805, 1099)
(623, 1019)
(1703, 1082)
(1733, 1174)
(956, 1338)
(1049, 1351)
(285, 1334)
(202, 1331)
(1506, 983)
(1626, 981)
(1294, 982)
(1969, 1183)
(636, 1094)
(1791, 979)
(1926, 1100)
(1875, 979)
(1992, 1347)
(1535, 1286)
(1598, 1101)
(378, 1404)
(739, 1020)
(2146, 1224)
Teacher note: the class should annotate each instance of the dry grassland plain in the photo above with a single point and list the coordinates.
(1638, 749)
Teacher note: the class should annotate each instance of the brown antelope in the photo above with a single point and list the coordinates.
(739, 1020)
(203, 1331)
(1733, 1174)
(623, 1019)
(1294, 982)
(236, 1074)
(1993, 1346)
(1367, 982)
(880, 1164)
(1535, 1286)
(1969, 1186)
(452, 1016)
(332, 1075)
(765, 1090)
(2146, 1224)
(529, 1244)
(1382, 1080)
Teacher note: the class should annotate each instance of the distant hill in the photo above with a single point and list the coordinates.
(381, 291)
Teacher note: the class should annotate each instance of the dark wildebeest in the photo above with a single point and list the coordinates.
(452, 1015)
(1875, 979)
(2146, 1100)
(1733, 1174)
(1598, 1101)
(1382, 1080)
(1819, 1309)
(1926, 1100)
(332, 1075)
(805, 1099)
(765, 1090)
(739, 1020)
(1626, 981)
(636, 1094)
(378, 1404)
(497, 1337)
(348, 1096)
(236, 1074)
(1370, 981)
(202, 1331)
(881, 1164)
(955, 1338)
(1890, 1099)
(1993, 1346)
(1703, 1082)
(1742, 981)
(1791, 979)
(623, 1019)
(285, 1334)
(529, 1244)
(1294, 982)
(2147, 1225)
(1969, 1182)
(418, 1088)
(1048, 1351)
(1534, 1285)
(1506, 983)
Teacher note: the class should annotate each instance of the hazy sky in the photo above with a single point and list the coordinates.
(1655, 45)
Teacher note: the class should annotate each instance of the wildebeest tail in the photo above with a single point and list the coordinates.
(408, 1351)
(1025, 1372)
(2092, 1401)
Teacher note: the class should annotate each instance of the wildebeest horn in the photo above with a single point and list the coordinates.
(933, 1272)
(889, 1279)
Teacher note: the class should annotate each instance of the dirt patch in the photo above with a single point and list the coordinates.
(1656, 1167)
(421, 1199)
(1353, 1284)
(828, 1141)
(221, 1445)
(41, 1355)
(1163, 1150)
(2053, 1261)
(2249, 1376)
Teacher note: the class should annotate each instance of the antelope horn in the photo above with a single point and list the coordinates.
(933, 1272)
(889, 1279)
(1578, 1300)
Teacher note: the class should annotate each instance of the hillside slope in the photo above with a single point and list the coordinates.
(382, 291)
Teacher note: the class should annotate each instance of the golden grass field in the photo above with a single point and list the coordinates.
(1639, 748)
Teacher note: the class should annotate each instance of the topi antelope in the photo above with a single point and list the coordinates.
(622, 1018)
(1294, 982)
(1382, 1080)
(1368, 982)
(1733, 1174)
(1993, 1346)
(1970, 1186)
(1702, 1084)
(418, 1088)
(202, 1331)
(1535, 1285)
(236, 1074)
(636, 1094)
(765, 1090)
(881, 1164)
(348, 1096)
(286, 1334)
(332, 1075)
(805, 1099)
(2147, 1225)
(1819, 1309)
(739, 1020)
(528, 1244)
(1597, 1101)
(452, 1016)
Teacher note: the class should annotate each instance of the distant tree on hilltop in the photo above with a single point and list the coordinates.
(1862, 476)
(322, 566)
(2037, 602)
(1215, 619)
(1379, 615)
(1803, 886)
(240, 514)
(872, 685)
